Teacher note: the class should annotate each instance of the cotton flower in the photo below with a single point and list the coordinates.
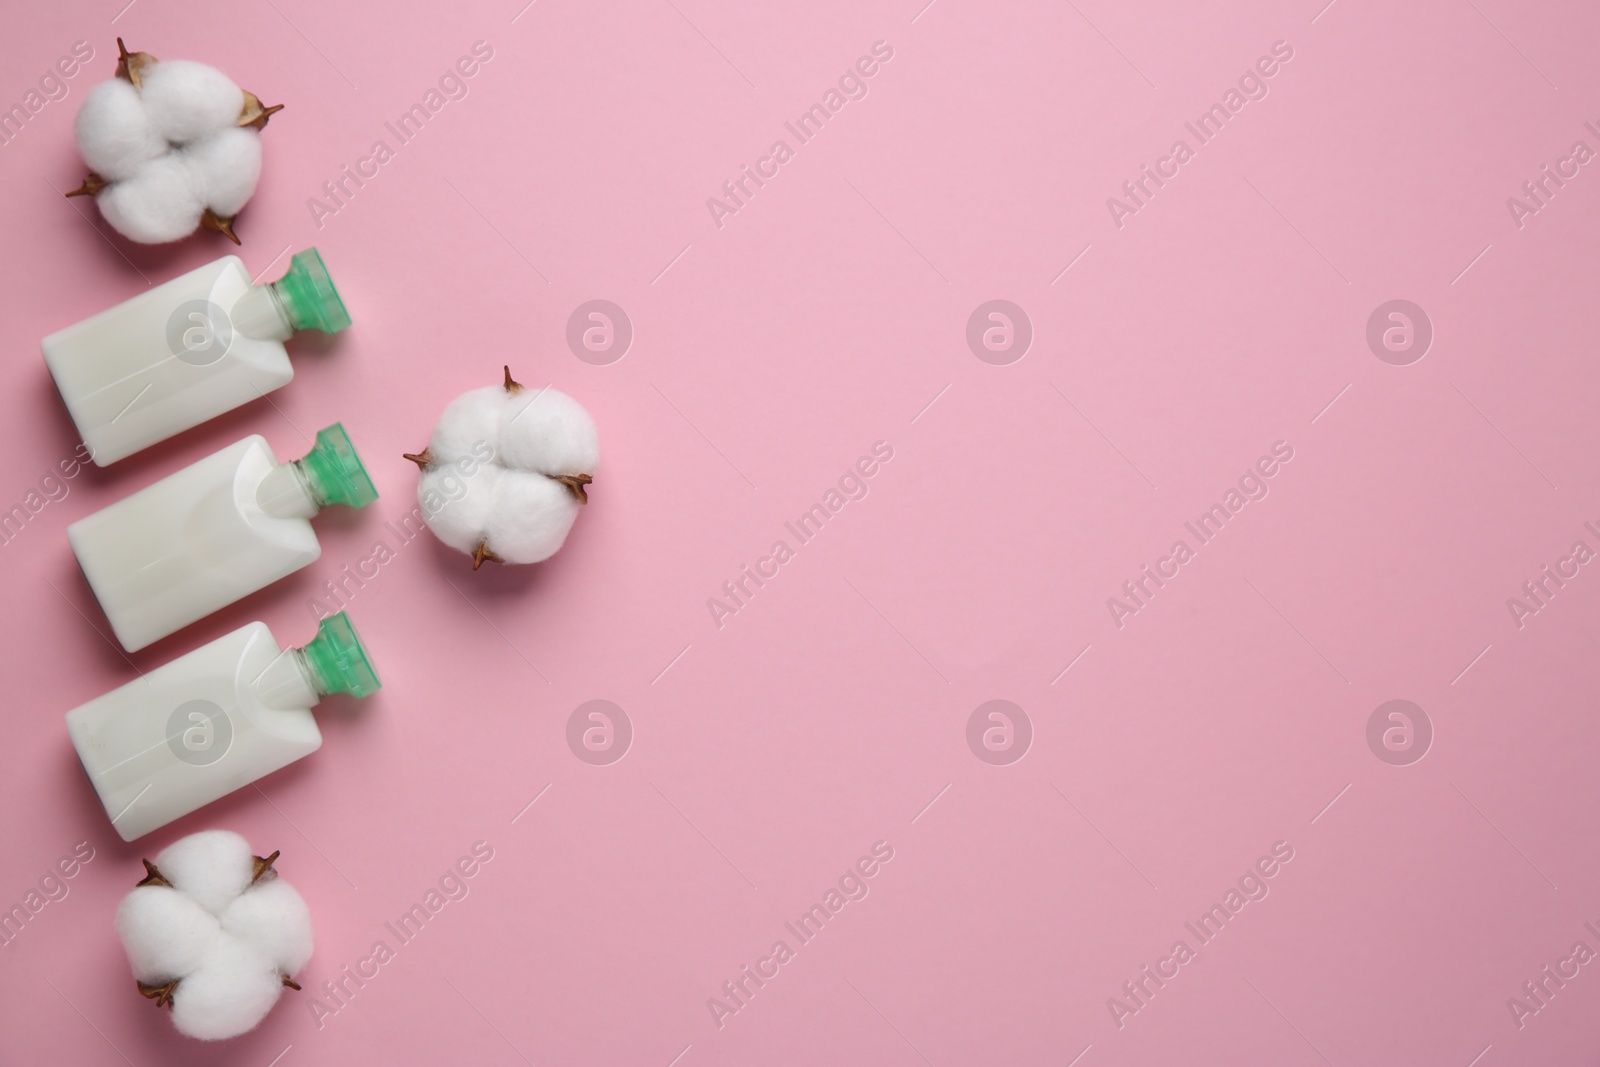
(504, 476)
(170, 146)
(213, 933)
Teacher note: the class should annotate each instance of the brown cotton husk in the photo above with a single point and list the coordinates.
(223, 224)
(575, 483)
(92, 184)
(131, 65)
(254, 113)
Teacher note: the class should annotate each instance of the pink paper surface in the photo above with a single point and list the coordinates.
(1172, 345)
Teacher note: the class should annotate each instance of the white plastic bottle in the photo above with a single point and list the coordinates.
(186, 351)
(213, 721)
(212, 533)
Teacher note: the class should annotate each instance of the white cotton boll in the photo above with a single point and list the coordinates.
(225, 167)
(164, 145)
(457, 507)
(165, 933)
(546, 430)
(114, 133)
(228, 994)
(212, 867)
(187, 100)
(531, 518)
(471, 420)
(212, 937)
(534, 451)
(274, 918)
(156, 205)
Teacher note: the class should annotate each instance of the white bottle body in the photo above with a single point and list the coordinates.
(196, 729)
(194, 542)
(168, 359)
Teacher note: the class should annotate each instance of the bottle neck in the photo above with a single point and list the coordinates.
(288, 683)
(261, 313)
(286, 492)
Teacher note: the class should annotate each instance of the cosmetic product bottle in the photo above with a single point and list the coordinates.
(214, 532)
(186, 351)
(213, 721)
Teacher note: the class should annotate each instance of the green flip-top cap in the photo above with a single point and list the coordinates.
(308, 295)
(334, 471)
(338, 661)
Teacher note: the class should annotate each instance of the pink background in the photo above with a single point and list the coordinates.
(831, 711)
